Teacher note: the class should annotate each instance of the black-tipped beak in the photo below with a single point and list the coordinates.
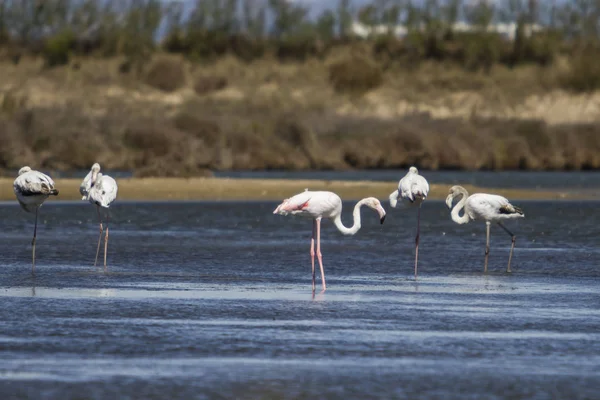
(382, 219)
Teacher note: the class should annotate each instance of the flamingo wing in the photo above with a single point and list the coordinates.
(104, 192)
(491, 207)
(33, 183)
(294, 204)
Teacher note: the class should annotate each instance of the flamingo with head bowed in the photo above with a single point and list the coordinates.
(32, 188)
(413, 190)
(487, 207)
(100, 190)
(321, 204)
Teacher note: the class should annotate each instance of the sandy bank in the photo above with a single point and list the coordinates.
(263, 189)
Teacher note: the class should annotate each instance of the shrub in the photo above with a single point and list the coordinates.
(355, 74)
(584, 74)
(208, 84)
(149, 139)
(12, 103)
(297, 49)
(175, 43)
(483, 50)
(246, 48)
(387, 48)
(57, 49)
(166, 74)
(207, 131)
(203, 45)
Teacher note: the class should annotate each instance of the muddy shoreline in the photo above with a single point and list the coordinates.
(165, 189)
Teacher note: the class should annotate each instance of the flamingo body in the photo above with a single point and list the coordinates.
(323, 204)
(412, 189)
(318, 204)
(490, 208)
(32, 188)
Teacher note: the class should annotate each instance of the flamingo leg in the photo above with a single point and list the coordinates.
(106, 243)
(487, 245)
(33, 242)
(417, 241)
(99, 237)
(312, 253)
(512, 246)
(319, 255)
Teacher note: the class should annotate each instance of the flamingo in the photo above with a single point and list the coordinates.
(322, 204)
(487, 207)
(413, 190)
(32, 188)
(100, 190)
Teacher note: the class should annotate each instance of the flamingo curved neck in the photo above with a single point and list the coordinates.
(94, 178)
(460, 206)
(337, 220)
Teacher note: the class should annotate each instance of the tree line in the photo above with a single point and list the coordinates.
(250, 29)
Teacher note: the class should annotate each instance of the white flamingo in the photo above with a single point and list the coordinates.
(100, 190)
(487, 207)
(318, 205)
(32, 188)
(413, 190)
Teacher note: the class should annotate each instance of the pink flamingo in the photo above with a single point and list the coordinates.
(318, 205)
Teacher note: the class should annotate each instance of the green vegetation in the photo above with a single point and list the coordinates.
(253, 84)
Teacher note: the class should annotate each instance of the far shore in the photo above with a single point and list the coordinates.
(165, 189)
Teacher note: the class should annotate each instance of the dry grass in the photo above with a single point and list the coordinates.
(259, 189)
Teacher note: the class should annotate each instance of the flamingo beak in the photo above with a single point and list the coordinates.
(381, 213)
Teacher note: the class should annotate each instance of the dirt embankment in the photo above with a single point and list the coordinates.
(156, 189)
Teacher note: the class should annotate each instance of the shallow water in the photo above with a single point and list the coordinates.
(213, 300)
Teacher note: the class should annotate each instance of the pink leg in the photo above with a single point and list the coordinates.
(417, 241)
(105, 248)
(312, 254)
(106, 242)
(319, 256)
(99, 237)
(33, 243)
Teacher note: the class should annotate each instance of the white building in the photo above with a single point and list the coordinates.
(507, 30)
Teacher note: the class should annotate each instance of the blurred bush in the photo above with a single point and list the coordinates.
(584, 72)
(57, 49)
(355, 74)
(166, 74)
(207, 84)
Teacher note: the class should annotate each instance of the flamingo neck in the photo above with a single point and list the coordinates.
(394, 199)
(460, 206)
(337, 220)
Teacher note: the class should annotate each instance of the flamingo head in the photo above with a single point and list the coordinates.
(413, 170)
(454, 192)
(24, 170)
(375, 204)
(281, 208)
(95, 173)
